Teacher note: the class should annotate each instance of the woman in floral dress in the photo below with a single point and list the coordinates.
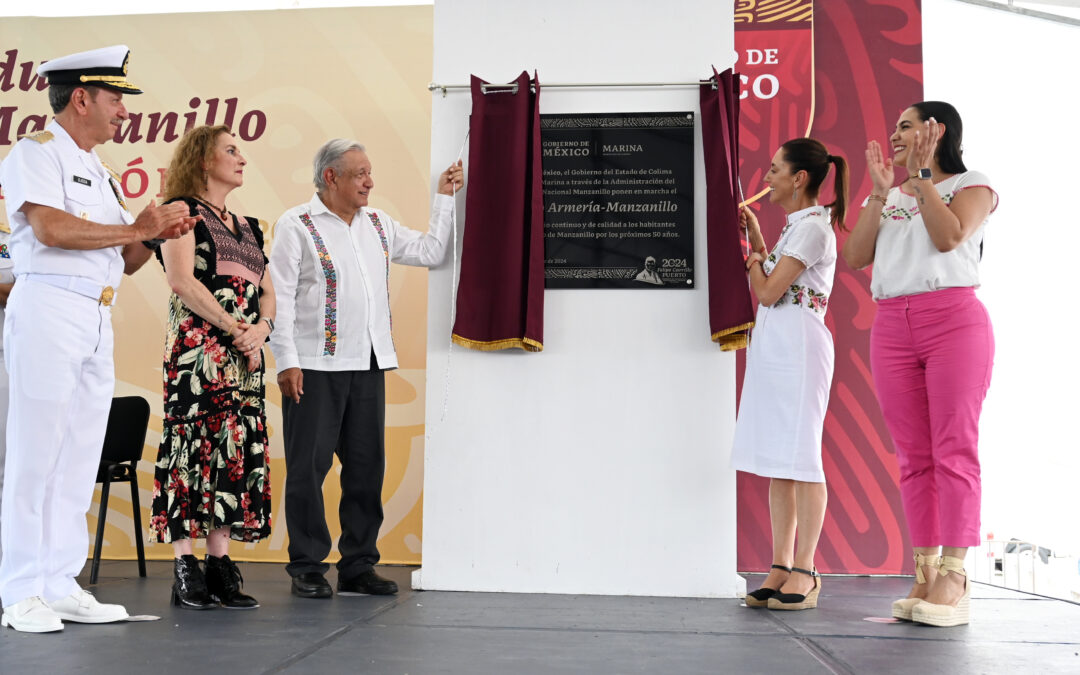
(790, 365)
(212, 475)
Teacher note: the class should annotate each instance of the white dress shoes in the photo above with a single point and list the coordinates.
(31, 615)
(82, 607)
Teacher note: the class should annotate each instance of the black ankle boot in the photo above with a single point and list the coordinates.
(224, 581)
(189, 585)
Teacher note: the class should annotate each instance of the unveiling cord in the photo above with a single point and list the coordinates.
(454, 276)
(746, 251)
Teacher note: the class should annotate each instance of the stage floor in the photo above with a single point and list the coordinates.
(475, 633)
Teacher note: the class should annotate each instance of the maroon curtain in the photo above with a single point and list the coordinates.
(731, 312)
(500, 298)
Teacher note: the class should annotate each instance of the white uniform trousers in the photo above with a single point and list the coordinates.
(59, 351)
(3, 436)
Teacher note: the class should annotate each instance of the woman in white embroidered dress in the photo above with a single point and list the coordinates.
(932, 345)
(789, 366)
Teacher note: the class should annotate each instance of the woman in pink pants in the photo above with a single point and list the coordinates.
(931, 346)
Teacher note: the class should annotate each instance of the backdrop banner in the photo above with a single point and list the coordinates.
(285, 82)
(842, 77)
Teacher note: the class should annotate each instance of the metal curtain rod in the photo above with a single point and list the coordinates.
(512, 88)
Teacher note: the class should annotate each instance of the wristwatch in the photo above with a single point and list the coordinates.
(269, 322)
(153, 244)
(922, 174)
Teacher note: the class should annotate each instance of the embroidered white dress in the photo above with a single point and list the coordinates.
(789, 365)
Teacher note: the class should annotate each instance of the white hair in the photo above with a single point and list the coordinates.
(329, 155)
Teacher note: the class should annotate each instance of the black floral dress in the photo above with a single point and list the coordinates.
(213, 464)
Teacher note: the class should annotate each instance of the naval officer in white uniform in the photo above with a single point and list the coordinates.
(72, 238)
(7, 282)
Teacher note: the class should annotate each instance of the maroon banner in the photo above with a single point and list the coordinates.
(843, 76)
(500, 298)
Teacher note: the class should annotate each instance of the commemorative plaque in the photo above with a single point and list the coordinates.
(618, 200)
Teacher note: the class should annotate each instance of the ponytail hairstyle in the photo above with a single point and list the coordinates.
(811, 156)
(950, 150)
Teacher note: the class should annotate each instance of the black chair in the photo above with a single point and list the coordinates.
(121, 452)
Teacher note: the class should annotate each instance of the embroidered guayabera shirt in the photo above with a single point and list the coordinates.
(331, 279)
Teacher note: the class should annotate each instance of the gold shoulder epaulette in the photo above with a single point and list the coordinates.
(39, 137)
(4, 228)
(112, 173)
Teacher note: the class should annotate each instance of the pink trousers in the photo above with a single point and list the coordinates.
(931, 355)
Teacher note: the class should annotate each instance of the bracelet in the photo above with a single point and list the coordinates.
(269, 322)
(877, 198)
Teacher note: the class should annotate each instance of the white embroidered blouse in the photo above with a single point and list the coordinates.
(906, 261)
(808, 237)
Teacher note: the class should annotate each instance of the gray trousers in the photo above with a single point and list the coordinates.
(340, 413)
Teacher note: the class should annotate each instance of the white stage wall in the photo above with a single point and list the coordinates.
(600, 464)
(1012, 79)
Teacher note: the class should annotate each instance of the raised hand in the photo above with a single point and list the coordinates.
(880, 168)
(452, 180)
(748, 221)
(923, 151)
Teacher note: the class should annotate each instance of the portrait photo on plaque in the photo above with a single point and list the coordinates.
(618, 200)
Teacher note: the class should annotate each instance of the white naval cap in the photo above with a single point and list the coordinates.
(105, 67)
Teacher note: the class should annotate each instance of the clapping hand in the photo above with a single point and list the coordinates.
(922, 153)
(168, 221)
(880, 168)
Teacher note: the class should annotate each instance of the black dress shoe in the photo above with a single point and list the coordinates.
(311, 585)
(367, 583)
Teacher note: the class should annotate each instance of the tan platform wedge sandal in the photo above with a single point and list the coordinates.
(901, 609)
(946, 615)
